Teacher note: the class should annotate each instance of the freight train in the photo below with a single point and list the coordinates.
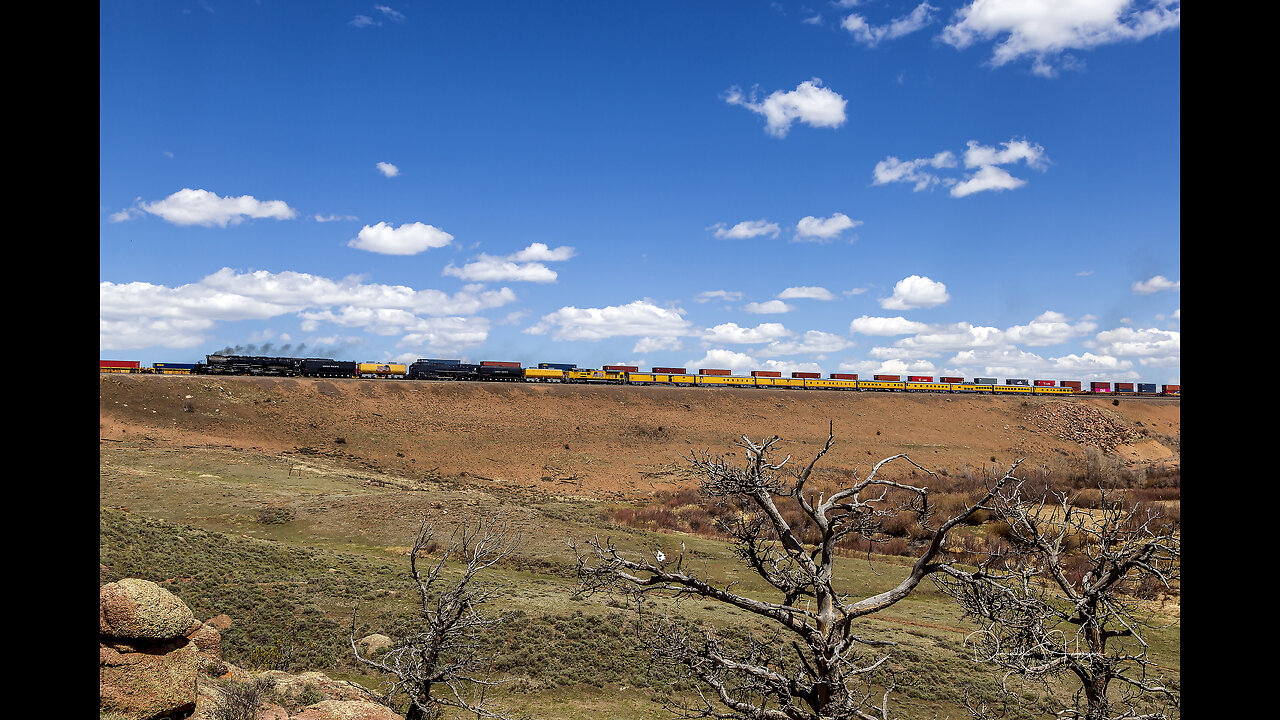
(498, 371)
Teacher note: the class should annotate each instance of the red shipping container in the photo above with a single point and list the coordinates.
(622, 368)
(1171, 389)
(1044, 383)
(706, 371)
(766, 373)
(1100, 387)
(888, 378)
(843, 376)
(1073, 384)
(671, 371)
(810, 376)
(131, 364)
(920, 378)
(1124, 387)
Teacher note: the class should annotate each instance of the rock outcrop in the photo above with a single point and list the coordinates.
(147, 662)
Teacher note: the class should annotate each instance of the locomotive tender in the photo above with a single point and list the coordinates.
(495, 370)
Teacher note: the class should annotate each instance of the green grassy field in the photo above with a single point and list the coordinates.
(288, 546)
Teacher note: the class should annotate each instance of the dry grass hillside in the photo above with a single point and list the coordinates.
(611, 442)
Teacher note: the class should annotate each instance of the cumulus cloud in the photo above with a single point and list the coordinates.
(821, 229)
(871, 35)
(772, 307)
(982, 161)
(810, 103)
(1045, 30)
(812, 342)
(655, 344)
(732, 334)
(739, 363)
(1049, 328)
(866, 325)
(408, 239)
(641, 318)
(1151, 346)
(1156, 284)
(201, 207)
(916, 292)
(747, 229)
(142, 314)
(893, 170)
(523, 266)
(803, 292)
(387, 169)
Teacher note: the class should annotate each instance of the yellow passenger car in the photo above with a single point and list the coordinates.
(881, 385)
(726, 381)
(820, 384)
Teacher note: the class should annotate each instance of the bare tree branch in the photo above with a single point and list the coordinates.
(822, 669)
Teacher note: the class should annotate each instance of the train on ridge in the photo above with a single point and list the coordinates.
(506, 371)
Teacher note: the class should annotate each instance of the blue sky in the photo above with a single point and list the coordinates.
(984, 188)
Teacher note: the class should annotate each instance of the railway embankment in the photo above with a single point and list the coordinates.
(612, 441)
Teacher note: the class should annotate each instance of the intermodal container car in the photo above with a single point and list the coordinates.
(1126, 387)
(713, 371)
(1017, 381)
(806, 375)
(1045, 383)
(1100, 387)
(843, 376)
(984, 381)
(951, 380)
(1073, 384)
(1147, 388)
(173, 368)
(766, 373)
(1171, 389)
(669, 371)
(119, 366)
(887, 378)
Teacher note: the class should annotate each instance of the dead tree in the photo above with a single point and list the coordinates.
(1069, 599)
(441, 662)
(817, 666)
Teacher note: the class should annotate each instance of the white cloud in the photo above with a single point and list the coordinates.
(872, 35)
(772, 307)
(1050, 328)
(809, 103)
(332, 218)
(747, 229)
(408, 239)
(983, 160)
(916, 292)
(806, 292)
(640, 318)
(1156, 284)
(523, 266)
(655, 344)
(728, 295)
(388, 169)
(1152, 346)
(891, 170)
(739, 363)
(731, 333)
(539, 252)
(866, 325)
(201, 207)
(1044, 30)
(816, 228)
(143, 314)
(812, 342)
